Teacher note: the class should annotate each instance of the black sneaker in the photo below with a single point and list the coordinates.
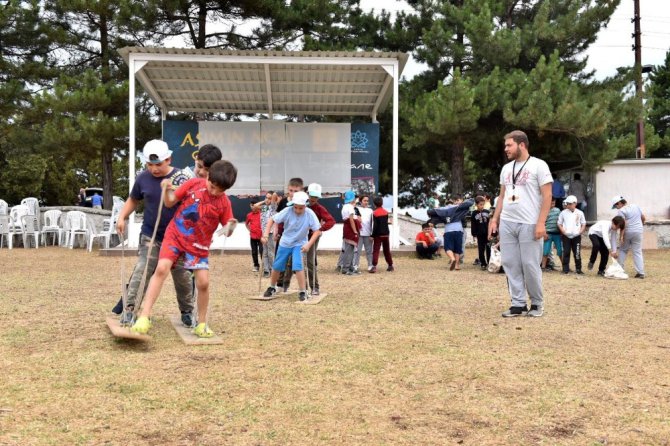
(483, 267)
(315, 292)
(271, 291)
(566, 272)
(476, 262)
(302, 296)
(590, 266)
(118, 308)
(639, 276)
(390, 268)
(580, 272)
(515, 311)
(187, 320)
(601, 273)
(266, 274)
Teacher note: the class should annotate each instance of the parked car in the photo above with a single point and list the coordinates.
(90, 191)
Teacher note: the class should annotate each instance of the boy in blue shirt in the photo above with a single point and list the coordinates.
(157, 158)
(297, 220)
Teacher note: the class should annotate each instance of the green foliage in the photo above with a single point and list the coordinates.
(659, 114)
(495, 66)
(23, 177)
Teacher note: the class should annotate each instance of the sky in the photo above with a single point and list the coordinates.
(612, 49)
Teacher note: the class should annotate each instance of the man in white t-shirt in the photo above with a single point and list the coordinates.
(365, 239)
(522, 208)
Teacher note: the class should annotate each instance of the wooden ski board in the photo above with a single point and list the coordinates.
(124, 332)
(313, 300)
(188, 337)
(261, 297)
(276, 296)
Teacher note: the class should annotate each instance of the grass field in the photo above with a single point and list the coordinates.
(420, 356)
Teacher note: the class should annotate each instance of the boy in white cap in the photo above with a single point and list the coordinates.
(572, 223)
(298, 220)
(327, 221)
(157, 158)
(632, 235)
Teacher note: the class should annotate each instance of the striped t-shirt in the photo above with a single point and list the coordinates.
(551, 224)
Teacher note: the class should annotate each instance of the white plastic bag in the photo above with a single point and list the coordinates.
(495, 262)
(615, 271)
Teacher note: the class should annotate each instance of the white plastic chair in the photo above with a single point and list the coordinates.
(77, 226)
(4, 207)
(31, 228)
(109, 224)
(51, 226)
(15, 214)
(94, 235)
(6, 236)
(64, 234)
(32, 204)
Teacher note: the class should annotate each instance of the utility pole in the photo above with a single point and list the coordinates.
(640, 152)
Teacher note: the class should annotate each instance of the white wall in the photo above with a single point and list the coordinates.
(642, 182)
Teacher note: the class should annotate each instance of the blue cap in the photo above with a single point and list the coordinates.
(349, 196)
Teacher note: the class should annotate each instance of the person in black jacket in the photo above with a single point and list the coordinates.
(380, 235)
(479, 223)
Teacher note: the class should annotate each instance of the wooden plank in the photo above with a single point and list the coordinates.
(124, 332)
(276, 296)
(188, 337)
(313, 300)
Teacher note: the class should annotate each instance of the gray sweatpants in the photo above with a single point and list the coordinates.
(363, 241)
(348, 257)
(180, 276)
(632, 242)
(269, 254)
(521, 257)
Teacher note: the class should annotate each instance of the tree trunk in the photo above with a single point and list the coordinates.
(457, 163)
(107, 179)
(107, 175)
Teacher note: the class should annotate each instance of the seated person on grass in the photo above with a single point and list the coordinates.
(204, 205)
(426, 245)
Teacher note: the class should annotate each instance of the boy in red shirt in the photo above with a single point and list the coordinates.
(253, 224)
(204, 205)
(426, 245)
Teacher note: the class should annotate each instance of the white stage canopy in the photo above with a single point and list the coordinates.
(321, 83)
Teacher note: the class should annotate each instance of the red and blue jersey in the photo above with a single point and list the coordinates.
(198, 216)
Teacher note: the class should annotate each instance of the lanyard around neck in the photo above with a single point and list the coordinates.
(514, 177)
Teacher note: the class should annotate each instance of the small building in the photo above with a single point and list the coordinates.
(645, 182)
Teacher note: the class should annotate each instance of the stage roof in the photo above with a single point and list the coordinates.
(270, 82)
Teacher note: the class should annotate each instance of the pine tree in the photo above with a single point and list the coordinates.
(659, 115)
(523, 63)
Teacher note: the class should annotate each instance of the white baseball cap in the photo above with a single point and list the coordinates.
(571, 199)
(155, 152)
(616, 199)
(314, 190)
(299, 198)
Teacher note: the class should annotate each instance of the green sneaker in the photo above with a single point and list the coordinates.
(202, 331)
(141, 325)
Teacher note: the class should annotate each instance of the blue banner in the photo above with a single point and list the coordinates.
(182, 138)
(365, 158)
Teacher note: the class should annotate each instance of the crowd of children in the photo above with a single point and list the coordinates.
(564, 230)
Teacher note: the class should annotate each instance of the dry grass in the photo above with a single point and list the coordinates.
(420, 356)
